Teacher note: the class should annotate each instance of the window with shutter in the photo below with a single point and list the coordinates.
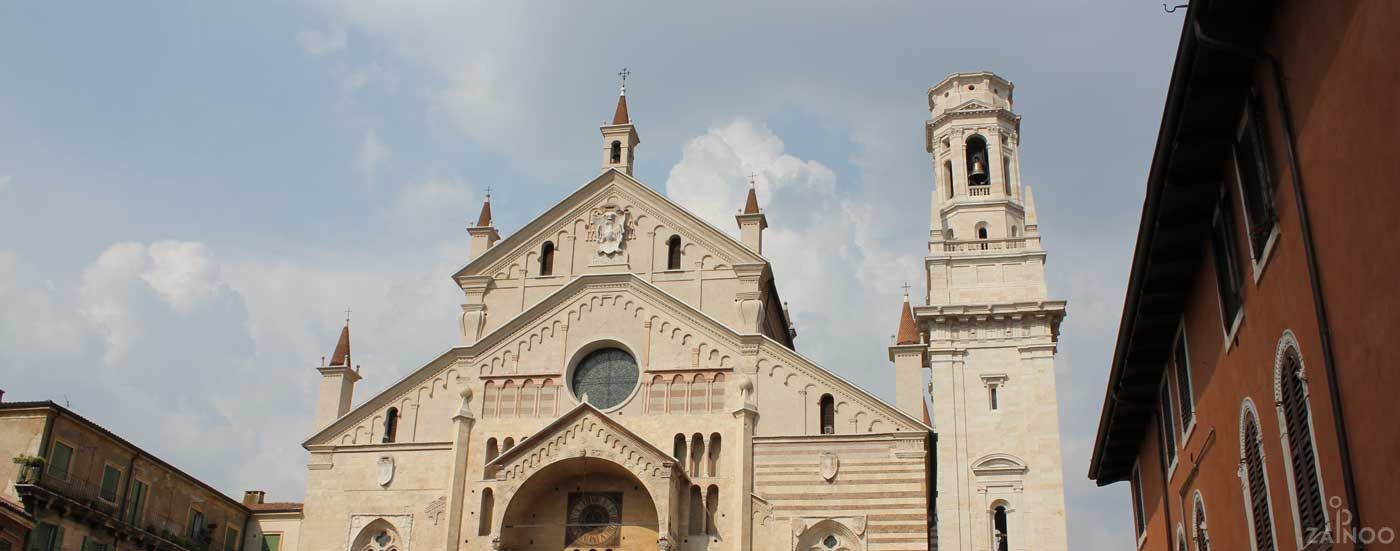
(1139, 523)
(1181, 366)
(111, 477)
(1168, 419)
(1260, 512)
(59, 459)
(1227, 264)
(1312, 517)
(1198, 528)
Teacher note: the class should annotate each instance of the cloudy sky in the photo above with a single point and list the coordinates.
(191, 194)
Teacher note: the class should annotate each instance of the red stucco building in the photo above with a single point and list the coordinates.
(1251, 402)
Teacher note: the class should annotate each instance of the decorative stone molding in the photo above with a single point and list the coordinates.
(402, 523)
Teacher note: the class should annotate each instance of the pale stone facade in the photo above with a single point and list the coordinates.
(991, 331)
(626, 379)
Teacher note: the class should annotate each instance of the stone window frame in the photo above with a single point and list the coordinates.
(121, 476)
(1286, 342)
(67, 469)
(994, 383)
(1247, 408)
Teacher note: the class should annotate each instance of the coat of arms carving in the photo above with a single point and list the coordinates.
(610, 230)
(828, 465)
(386, 470)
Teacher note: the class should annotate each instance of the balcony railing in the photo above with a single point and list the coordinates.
(979, 245)
(979, 191)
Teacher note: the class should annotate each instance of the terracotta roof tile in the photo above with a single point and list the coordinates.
(751, 205)
(485, 219)
(908, 331)
(620, 116)
(341, 356)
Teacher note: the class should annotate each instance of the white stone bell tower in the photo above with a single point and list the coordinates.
(991, 330)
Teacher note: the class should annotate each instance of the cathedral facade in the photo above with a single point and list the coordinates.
(626, 379)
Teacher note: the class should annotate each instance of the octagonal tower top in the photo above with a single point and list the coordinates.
(959, 88)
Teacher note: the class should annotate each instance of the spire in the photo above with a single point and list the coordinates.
(341, 356)
(908, 331)
(620, 116)
(751, 205)
(485, 219)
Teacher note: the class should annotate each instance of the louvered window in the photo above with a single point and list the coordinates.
(1181, 365)
(1258, 490)
(1227, 264)
(1138, 522)
(1168, 419)
(1311, 515)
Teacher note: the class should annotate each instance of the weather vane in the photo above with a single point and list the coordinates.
(906, 288)
(752, 175)
(623, 73)
(347, 316)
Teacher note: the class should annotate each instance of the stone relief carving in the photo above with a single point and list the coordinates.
(434, 509)
(386, 470)
(828, 465)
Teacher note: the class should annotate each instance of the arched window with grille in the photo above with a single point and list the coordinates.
(1298, 441)
(548, 395)
(391, 425)
(717, 393)
(1198, 524)
(678, 392)
(827, 408)
(1254, 480)
(547, 258)
(491, 397)
(528, 395)
(656, 395)
(673, 253)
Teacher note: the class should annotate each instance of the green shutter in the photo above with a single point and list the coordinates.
(272, 542)
(135, 502)
(230, 539)
(58, 462)
(110, 478)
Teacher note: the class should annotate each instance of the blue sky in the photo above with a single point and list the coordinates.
(192, 193)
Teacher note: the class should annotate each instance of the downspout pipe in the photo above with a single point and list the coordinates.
(1329, 362)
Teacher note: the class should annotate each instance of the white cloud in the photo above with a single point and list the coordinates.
(315, 42)
(826, 265)
(5, 183)
(372, 154)
(434, 205)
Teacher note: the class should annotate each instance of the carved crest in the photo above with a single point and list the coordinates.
(386, 470)
(611, 230)
(829, 465)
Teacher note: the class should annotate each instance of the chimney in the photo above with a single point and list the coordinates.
(253, 497)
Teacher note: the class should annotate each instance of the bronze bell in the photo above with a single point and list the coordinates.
(979, 171)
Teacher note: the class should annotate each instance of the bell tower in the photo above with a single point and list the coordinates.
(620, 138)
(991, 330)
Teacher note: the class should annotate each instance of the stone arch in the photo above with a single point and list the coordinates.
(814, 538)
(378, 535)
(643, 513)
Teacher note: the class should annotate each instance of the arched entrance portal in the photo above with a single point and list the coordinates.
(583, 503)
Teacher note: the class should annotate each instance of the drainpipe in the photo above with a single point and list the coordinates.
(1329, 362)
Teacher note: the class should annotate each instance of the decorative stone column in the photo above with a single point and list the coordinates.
(473, 320)
(461, 445)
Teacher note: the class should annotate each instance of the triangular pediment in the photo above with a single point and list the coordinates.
(610, 187)
(971, 105)
(582, 432)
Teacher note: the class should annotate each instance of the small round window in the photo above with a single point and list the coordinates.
(605, 377)
(829, 542)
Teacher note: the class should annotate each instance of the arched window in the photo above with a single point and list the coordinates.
(1198, 525)
(673, 253)
(698, 386)
(827, 406)
(488, 506)
(711, 506)
(1295, 416)
(948, 178)
(981, 231)
(1253, 478)
(1006, 176)
(490, 400)
(547, 258)
(1015, 231)
(713, 466)
(616, 155)
(1181, 539)
(493, 450)
(391, 425)
(507, 405)
(1000, 536)
(697, 453)
(528, 395)
(507, 444)
(697, 513)
(656, 395)
(717, 393)
(676, 403)
(678, 449)
(547, 397)
(976, 162)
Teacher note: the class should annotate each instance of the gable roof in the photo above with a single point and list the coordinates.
(611, 281)
(713, 238)
(582, 410)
